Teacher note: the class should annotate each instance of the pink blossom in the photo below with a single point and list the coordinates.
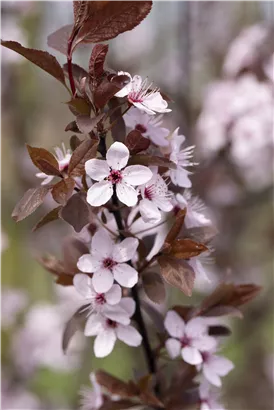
(107, 262)
(140, 94)
(113, 172)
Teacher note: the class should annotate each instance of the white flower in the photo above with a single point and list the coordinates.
(112, 172)
(140, 94)
(181, 158)
(194, 210)
(91, 398)
(209, 398)
(188, 339)
(156, 198)
(213, 367)
(148, 126)
(107, 331)
(63, 157)
(107, 262)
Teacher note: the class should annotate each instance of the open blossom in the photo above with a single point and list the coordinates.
(107, 331)
(188, 339)
(156, 198)
(182, 159)
(114, 173)
(214, 367)
(148, 126)
(194, 210)
(107, 262)
(140, 94)
(91, 398)
(63, 157)
(209, 398)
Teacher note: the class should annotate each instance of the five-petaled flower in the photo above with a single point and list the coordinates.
(149, 126)
(182, 159)
(113, 174)
(188, 339)
(107, 262)
(140, 94)
(63, 157)
(156, 198)
(107, 331)
(208, 398)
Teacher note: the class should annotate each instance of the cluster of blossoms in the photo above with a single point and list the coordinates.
(122, 188)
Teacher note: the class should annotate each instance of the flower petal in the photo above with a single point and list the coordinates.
(220, 365)
(174, 324)
(204, 343)
(99, 193)
(102, 280)
(191, 355)
(117, 156)
(113, 295)
(104, 343)
(211, 376)
(129, 335)
(117, 314)
(126, 194)
(102, 244)
(125, 275)
(173, 347)
(136, 174)
(180, 177)
(94, 325)
(88, 263)
(124, 251)
(97, 169)
(143, 108)
(125, 90)
(196, 327)
(149, 211)
(83, 285)
(129, 305)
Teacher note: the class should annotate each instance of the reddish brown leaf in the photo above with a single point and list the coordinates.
(63, 190)
(219, 330)
(53, 215)
(177, 273)
(223, 310)
(44, 160)
(150, 399)
(108, 88)
(78, 74)
(149, 160)
(79, 105)
(136, 142)
(86, 124)
(73, 249)
(59, 39)
(80, 11)
(75, 323)
(183, 311)
(31, 200)
(85, 151)
(118, 130)
(202, 234)
(107, 19)
(74, 142)
(154, 287)
(176, 227)
(186, 248)
(76, 212)
(118, 404)
(52, 264)
(72, 126)
(116, 386)
(40, 58)
(96, 63)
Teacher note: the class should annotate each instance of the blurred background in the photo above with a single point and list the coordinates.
(215, 60)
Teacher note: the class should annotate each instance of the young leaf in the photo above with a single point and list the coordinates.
(106, 19)
(76, 212)
(85, 151)
(53, 215)
(40, 58)
(177, 273)
(186, 248)
(44, 160)
(118, 130)
(78, 74)
(31, 200)
(96, 63)
(79, 105)
(154, 287)
(107, 89)
(72, 126)
(75, 323)
(176, 227)
(59, 39)
(74, 142)
(63, 190)
(86, 124)
(115, 385)
(136, 142)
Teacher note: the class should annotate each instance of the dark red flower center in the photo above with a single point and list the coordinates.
(111, 323)
(141, 128)
(185, 341)
(108, 263)
(176, 209)
(115, 176)
(100, 299)
(148, 193)
(205, 356)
